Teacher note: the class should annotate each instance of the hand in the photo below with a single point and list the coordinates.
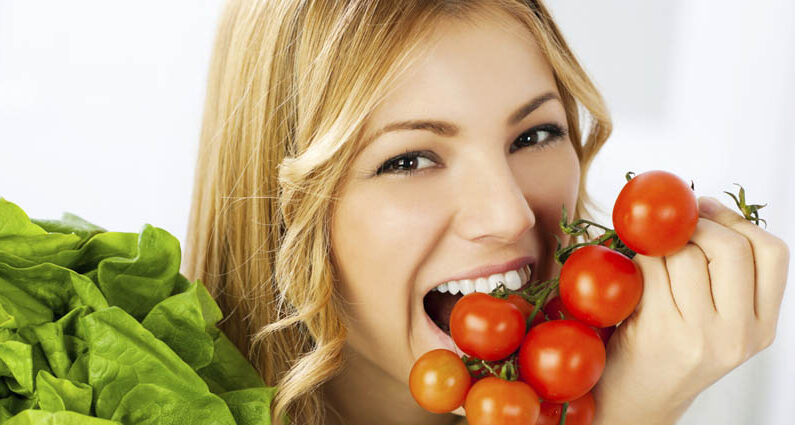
(705, 310)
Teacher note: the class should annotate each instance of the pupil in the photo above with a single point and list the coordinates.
(405, 162)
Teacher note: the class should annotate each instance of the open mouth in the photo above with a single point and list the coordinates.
(439, 305)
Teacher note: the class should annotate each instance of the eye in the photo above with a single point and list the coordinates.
(407, 163)
(540, 136)
(412, 161)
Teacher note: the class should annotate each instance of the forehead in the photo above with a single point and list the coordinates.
(482, 68)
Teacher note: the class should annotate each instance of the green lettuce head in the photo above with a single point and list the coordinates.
(100, 327)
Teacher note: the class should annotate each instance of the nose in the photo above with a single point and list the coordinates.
(492, 204)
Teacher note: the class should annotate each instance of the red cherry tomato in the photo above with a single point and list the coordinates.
(561, 359)
(655, 213)
(439, 381)
(496, 401)
(606, 333)
(486, 327)
(600, 286)
(579, 412)
(527, 309)
(555, 310)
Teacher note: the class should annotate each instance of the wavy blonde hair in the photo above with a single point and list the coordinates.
(290, 87)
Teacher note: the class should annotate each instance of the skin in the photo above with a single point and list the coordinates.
(474, 203)
(705, 310)
(716, 302)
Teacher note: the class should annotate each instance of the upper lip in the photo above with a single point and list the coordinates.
(490, 269)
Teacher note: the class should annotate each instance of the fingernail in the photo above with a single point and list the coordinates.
(708, 205)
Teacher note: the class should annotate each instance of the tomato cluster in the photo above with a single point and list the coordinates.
(530, 359)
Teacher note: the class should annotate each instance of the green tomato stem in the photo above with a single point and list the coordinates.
(563, 413)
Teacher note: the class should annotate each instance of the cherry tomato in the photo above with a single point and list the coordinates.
(580, 412)
(527, 309)
(606, 333)
(439, 381)
(600, 286)
(655, 213)
(496, 401)
(561, 359)
(555, 310)
(486, 327)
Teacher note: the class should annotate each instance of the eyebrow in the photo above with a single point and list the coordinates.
(447, 129)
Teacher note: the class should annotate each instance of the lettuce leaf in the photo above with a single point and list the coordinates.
(100, 327)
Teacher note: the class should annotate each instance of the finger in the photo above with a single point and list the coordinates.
(770, 254)
(657, 296)
(690, 284)
(731, 269)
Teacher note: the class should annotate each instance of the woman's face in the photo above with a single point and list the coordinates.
(483, 195)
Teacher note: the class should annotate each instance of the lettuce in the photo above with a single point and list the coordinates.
(100, 327)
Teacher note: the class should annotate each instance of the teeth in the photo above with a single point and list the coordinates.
(495, 280)
(467, 286)
(482, 285)
(513, 280)
(525, 273)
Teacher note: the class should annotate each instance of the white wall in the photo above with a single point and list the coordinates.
(100, 107)
(704, 89)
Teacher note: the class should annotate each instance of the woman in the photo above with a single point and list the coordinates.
(356, 154)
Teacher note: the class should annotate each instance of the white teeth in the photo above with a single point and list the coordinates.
(495, 280)
(525, 273)
(482, 285)
(467, 286)
(512, 280)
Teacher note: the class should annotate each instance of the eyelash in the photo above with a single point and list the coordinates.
(555, 131)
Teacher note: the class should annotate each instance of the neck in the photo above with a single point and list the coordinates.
(364, 394)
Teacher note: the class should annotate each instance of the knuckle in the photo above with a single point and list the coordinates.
(737, 353)
(690, 255)
(738, 246)
(693, 355)
(779, 250)
(767, 336)
(768, 339)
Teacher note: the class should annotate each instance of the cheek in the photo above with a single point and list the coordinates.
(552, 179)
(380, 236)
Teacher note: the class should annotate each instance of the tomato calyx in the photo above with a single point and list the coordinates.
(750, 212)
(579, 227)
(537, 294)
(505, 369)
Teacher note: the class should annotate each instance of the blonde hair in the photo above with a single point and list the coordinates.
(290, 86)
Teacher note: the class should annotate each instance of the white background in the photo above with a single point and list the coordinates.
(100, 108)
